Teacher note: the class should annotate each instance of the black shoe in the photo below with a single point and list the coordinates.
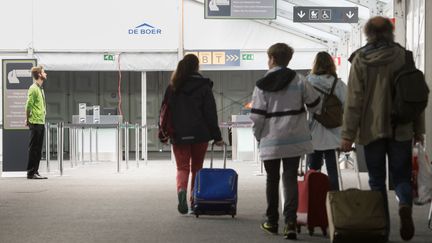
(270, 228)
(290, 231)
(36, 177)
(406, 223)
(182, 206)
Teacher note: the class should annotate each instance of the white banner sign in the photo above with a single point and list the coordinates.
(96, 25)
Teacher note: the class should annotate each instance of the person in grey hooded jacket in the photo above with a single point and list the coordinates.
(367, 118)
(279, 104)
(325, 141)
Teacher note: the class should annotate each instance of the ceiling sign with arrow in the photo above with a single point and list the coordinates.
(240, 9)
(315, 14)
(217, 57)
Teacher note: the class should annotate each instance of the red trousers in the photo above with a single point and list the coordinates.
(189, 158)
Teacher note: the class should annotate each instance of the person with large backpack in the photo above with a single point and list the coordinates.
(326, 126)
(374, 110)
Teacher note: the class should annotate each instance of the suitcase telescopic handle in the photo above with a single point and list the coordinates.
(224, 147)
(430, 217)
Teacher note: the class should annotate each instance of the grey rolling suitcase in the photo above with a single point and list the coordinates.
(356, 215)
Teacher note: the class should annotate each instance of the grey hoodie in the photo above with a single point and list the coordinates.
(368, 105)
(279, 104)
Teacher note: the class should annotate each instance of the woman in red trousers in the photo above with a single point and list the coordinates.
(195, 122)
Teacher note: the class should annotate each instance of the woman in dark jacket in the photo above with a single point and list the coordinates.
(195, 122)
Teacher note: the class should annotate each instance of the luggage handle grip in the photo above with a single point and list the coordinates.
(224, 147)
(356, 169)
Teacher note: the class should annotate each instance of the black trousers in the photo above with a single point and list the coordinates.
(37, 132)
(290, 190)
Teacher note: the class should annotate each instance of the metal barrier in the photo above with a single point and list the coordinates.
(49, 142)
(58, 127)
(77, 153)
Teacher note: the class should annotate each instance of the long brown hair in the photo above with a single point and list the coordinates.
(324, 64)
(186, 67)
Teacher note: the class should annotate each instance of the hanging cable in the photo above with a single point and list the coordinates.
(119, 88)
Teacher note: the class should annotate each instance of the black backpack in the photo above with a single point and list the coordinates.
(331, 110)
(409, 93)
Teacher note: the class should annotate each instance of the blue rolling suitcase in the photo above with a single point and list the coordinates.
(215, 190)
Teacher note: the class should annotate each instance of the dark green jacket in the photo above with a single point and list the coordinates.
(369, 99)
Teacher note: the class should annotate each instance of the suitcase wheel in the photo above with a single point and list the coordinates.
(298, 229)
(232, 215)
(311, 231)
(196, 215)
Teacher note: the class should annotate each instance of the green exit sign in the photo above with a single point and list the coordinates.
(109, 57)
(247, 57)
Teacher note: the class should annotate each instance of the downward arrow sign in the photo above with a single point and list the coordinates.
(350, 14)
(301, 14)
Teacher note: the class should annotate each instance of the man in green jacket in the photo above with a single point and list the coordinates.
(35, 120)
(367, 118)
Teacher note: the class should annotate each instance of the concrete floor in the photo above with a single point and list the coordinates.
(94, 203)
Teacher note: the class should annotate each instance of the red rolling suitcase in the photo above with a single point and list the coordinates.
(311, 211)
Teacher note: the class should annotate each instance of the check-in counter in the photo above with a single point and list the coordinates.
(243, 140)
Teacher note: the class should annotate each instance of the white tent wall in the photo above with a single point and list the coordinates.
(428, 73)
(74, 35)
(417, 21)
(16, 25)
(415, 30)
(105, 25)
(246, 35)
(164, 61)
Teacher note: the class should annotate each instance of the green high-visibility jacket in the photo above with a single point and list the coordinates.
(36, 104)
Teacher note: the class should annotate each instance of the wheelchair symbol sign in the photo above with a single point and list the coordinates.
(326, 14)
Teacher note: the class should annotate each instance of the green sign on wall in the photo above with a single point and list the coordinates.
(109, 57)
(247, 57)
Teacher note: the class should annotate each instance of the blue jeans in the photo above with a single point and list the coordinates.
(399, 157)
(315, 161)
(289, 180)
